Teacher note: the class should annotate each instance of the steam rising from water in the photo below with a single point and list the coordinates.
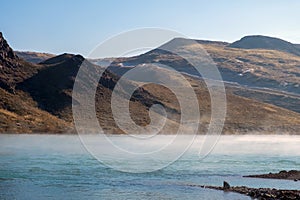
(70, 144)
(52, 166)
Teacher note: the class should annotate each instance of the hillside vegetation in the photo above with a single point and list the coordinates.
(37, 97)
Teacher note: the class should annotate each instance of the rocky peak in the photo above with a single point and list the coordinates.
(12, 69)
(5, 51)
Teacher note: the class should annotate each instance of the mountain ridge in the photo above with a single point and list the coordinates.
(265, 42)
(248, 67)
(34, 57)
(41, 100)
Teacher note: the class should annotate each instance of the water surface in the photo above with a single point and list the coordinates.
(59, 167)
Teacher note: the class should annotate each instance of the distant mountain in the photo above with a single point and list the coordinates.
(33, 57)
(51, 88)
(265, 42)
(38, 97)
(272, 69)
(272, 76)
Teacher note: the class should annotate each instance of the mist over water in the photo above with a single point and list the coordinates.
(259, 144)
(51, 166)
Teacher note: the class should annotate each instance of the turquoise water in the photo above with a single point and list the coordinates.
(59, 167)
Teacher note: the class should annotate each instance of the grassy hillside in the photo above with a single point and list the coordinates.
(20, 114)
(37, 98)
(265, 42)
(249, 67)
(33, 57)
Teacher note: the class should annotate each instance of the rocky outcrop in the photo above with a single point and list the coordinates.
(287, 175)
(261, 193)
(7, 62)
(6, 53)
(258, 193)
(13, 70)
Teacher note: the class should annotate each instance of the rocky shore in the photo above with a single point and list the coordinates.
(257, 193)
(287, 175)
(263, 193)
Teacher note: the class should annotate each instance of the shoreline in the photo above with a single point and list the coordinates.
(263, 193)
(284, 175)
(257, 193)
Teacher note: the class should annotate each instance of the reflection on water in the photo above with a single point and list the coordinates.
(53, 166)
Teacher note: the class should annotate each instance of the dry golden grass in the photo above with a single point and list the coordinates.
(272, 64)
(19, 115)
(42, 102)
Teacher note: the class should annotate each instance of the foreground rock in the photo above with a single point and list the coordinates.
(287, 175)
(257, 193)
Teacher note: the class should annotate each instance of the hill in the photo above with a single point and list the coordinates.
(38, 97)
(33, 57)
(265, 42)
(19, 113)
(252, 68)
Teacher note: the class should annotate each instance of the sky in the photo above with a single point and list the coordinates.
(74, 26)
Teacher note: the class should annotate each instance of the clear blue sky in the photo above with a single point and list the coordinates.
(59, 26)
